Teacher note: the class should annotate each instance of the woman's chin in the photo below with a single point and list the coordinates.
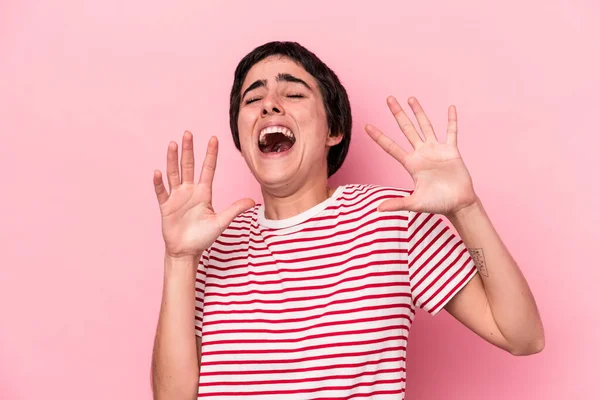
(274, 178)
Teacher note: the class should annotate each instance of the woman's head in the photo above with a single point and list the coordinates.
(288, 94)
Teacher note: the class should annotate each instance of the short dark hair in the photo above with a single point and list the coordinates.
(335, 98)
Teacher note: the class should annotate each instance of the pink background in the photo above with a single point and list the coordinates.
(92, 92)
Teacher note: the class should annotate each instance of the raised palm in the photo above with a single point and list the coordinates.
(443, 184)
(189, 222)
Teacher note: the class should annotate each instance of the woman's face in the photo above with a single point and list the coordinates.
(283, 130)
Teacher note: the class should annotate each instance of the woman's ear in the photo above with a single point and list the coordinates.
(332, 140)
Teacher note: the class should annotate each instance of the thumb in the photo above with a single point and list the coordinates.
(226, 216)
(399, 204)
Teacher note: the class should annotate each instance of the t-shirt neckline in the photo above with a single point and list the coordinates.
(297, 219)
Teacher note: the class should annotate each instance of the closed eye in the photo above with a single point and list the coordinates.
(292, 96)
(252, 100)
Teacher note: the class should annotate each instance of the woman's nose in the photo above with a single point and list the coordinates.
(271, 106)
(271, 110)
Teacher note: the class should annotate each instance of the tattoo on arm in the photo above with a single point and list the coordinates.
(477, 256)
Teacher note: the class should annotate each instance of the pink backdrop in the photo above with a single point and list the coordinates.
(91, 93)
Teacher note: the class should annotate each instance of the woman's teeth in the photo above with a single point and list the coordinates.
(275, 129)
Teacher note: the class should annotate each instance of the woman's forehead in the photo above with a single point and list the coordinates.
(272, 67)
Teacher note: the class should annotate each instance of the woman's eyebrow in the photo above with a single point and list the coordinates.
(281, 77)
(291, 78)
(255, 85)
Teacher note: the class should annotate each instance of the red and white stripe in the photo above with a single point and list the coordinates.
(322, 309)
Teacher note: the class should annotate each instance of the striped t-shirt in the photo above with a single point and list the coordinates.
(319, 306)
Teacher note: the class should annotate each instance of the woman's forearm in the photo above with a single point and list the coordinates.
(175, 361)
(511, 301)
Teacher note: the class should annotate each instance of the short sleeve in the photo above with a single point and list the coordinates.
(199, 293)
(439, 263)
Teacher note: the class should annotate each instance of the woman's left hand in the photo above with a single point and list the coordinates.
(443, 184)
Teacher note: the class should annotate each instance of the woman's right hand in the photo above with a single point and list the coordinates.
(189, 222)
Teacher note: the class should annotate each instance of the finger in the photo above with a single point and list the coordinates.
(187, 158)
(159, 188)
(404, 203)
(405, 124)
(422, 119)
(451, 135)
(387, 144)
(172, 167)
(210, 162)
(225, 217)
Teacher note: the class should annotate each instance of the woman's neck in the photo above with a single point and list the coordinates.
(282, 205)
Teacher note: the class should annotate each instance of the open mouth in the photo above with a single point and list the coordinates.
(276, 139)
